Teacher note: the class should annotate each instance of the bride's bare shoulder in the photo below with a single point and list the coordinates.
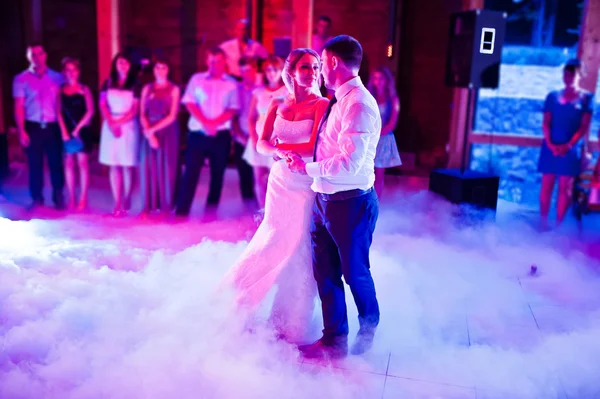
(278, 103)
(317, 102)
(281, 101)
(322, 103)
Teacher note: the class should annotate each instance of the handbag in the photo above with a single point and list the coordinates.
(73, 145)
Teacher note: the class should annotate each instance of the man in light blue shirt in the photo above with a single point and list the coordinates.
(36, 91)
(212, 100)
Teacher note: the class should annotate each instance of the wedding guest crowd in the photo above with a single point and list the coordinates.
(140, 137)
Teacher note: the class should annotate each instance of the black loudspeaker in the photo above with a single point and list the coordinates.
(474, 188)
(475, 49)
(473, 62)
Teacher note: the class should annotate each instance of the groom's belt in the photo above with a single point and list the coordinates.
(344, 195)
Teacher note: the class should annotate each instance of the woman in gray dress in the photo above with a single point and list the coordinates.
(383, 87)
(160, 146)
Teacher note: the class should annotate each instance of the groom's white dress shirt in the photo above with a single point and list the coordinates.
(345, 153)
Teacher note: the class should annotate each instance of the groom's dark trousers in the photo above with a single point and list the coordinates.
(341, 234)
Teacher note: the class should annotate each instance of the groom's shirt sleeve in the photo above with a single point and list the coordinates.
(358, 129)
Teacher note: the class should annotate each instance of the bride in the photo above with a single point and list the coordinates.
(279, 254)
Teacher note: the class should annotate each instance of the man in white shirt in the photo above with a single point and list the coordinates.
(346, 206)
(212, 100)
(241, 46)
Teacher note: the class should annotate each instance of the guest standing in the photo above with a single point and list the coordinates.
(241, 46)
(383, 87)
(76, 108)
(262, 96)
(35, 92)
(212, 100)
(567, 116)
(322, 34)
(119, 140)
(160, 144)
(241, 130)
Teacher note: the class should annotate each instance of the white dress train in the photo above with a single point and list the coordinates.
(280, 254)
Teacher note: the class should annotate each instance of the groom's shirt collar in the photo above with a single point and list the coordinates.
(346, 87)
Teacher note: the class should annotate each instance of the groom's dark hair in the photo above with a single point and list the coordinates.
(347, 48)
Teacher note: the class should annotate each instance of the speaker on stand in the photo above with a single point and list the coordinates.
(473, 62)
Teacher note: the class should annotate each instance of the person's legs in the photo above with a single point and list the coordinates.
(245, 173)
(546, 198)
(565, 191)
(327, 270)
(35, 160)
(70, 179)
(218, 156)
(351, 224)
(84, 179)
(53, 146)
(379, 181)
(194, 160)
(127, 186)
(116, 185)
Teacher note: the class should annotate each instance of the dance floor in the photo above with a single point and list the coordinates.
(97, 307)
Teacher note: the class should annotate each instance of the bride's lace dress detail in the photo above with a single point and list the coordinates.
(280, 251)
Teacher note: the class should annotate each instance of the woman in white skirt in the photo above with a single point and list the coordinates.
(383, 87)
(120, 137)
(273, 87)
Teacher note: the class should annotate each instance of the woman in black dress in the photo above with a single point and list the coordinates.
(76, 108)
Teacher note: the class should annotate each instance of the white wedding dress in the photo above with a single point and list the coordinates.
(279, 255)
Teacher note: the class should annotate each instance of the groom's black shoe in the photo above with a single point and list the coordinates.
(364, 341)
(326, 348)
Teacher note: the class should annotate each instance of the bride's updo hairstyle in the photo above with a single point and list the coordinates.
(290, 67)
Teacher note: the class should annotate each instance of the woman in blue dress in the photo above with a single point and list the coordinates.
(567, 116)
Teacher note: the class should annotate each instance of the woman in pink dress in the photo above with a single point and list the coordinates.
(160, 143)
(273, 88)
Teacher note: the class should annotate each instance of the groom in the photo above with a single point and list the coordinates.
(346, 206)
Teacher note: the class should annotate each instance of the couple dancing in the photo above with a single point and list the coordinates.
(321, 208)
